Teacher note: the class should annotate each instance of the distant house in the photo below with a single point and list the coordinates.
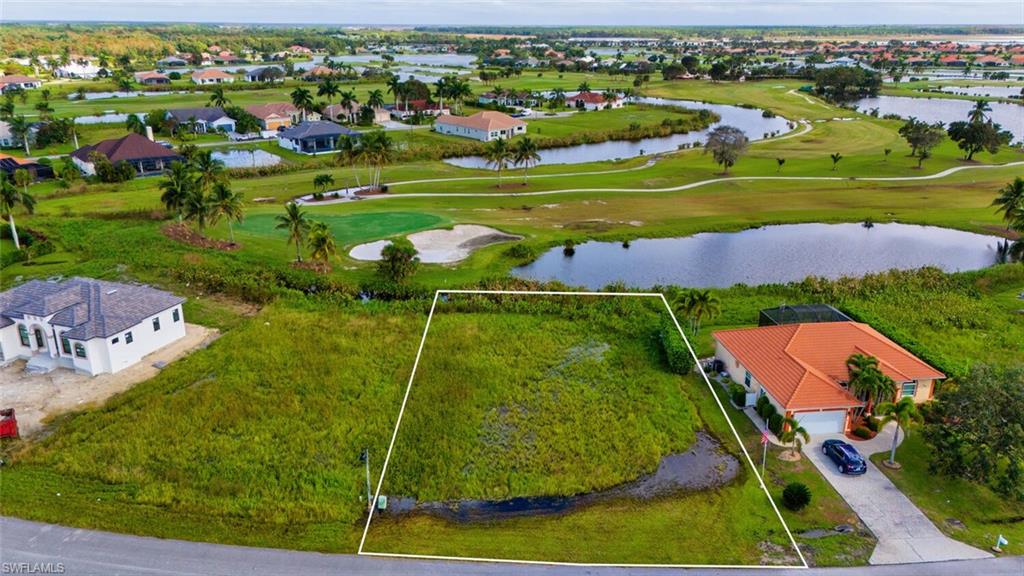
(82, 70)
(7, 139)
(317, 72)
(202, 120)
(404, 110)
(10, 164)
(296, 49)
(16, 81)
(313, 137)
(483, 126)
(147, 157)
(265, 74)
(592, 101)
(152, 78)
(339, 113)
(171, 62)
(212, 76)
(952, 60)
(90, 326)
(989, 60)
(277, 115)
(508, 98)
(801, 369)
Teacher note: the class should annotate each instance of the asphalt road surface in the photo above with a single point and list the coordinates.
(35, 548)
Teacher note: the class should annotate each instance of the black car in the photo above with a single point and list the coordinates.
(846, 457)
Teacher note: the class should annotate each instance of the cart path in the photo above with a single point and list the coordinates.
(691, 185)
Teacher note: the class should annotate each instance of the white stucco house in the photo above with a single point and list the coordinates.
(483, 126)
(90, 326)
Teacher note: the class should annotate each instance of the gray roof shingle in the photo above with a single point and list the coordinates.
(90, 308)
(315, 128)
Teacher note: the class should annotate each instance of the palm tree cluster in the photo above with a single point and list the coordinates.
(867, 380)
(198, 190)
(317, 236)
(373, 150)
(453, 88)
(524, 152)
(696, 305)
(1010, 203)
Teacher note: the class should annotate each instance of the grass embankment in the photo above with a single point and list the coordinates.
(983, 513)
(510, 403)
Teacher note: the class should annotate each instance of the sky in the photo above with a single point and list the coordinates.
(526, 12)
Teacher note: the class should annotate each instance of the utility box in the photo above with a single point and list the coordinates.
(382, 502)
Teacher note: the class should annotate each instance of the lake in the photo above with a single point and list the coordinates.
(108, 118)
(251, 158)
(105, 95)
(991, 91)
(767, 255)
(750, 120)
(945, 110)
(454, 60)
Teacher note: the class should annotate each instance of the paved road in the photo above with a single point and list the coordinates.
(904, 533)
(91, 553)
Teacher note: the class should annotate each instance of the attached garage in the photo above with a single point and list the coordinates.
(825, 422)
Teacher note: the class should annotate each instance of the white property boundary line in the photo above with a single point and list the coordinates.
(693, 354)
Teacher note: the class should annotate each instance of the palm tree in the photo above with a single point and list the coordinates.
(134, 124)
(208, 168)
(583, 87)
(394, 84)
(321, 242)
(902, 413)
(226, 204)
(867, 380)
(350, 152)
(459, 90)
(378, 149)
(441, 89)
(197, 207)
(303, 100)
(1010, 203)
(375, 99)
(176, 186)
(498, 155)
(524, 152)
(979, 113)
(218, 98)
(322, 181)
(348, 102)
(20, 128)
(835, 160)
(124, 84)
(328, 88)
(10, 198)
(697, 305)
(794, 435)
(295, 222)
(780, 162)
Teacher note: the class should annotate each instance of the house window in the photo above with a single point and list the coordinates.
(23, 334)
(127, 337)
(115, 340)
(156, 324)
(65, 344)
(176, 315)
(746, 379)
(79, 350)
(40, 342)
(909, 389)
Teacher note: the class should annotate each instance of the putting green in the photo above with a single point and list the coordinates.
(350, 228)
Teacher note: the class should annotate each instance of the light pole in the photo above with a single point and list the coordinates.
(364, 457)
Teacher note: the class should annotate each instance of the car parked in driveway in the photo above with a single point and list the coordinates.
(847, 459)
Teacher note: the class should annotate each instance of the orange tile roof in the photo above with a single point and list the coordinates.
(22, 161)
(487, 121)
(802, 365)
(264, 111)
(211, 73)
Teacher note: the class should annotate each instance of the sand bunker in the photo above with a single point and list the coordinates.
(441, 246)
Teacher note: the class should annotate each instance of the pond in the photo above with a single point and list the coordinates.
(246, 158)
(767, 255)
(946, 110)
(105, 95)
(750, 120)
(454, 60)
(990, 91)
(109, 117)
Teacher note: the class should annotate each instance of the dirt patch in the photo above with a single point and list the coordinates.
(313, 266)
(184, 233)
(38, 397)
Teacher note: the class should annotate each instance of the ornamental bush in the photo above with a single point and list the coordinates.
(796, 496)
(678, 356)
(775, 423)
(738, 394)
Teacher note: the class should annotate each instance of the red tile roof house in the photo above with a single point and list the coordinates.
(212, 76)
(989, 60)
(592, 101)
(15, 81)
(152, 78)
(483, 126)
(802, 370)
(147, 157)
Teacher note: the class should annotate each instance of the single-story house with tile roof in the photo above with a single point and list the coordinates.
(9, 164)
(212, 76)
(265, 74)
(313, 137)
(148, 157)
(592, 101)
(152, 78)
(171, 62)
(339, 113)
(202, 120)
(483, 126)
(407, 109)
(278, 115)
(91, 326)
(16, 81)
(802, 370)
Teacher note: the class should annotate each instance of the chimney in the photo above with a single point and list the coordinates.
(149, 133)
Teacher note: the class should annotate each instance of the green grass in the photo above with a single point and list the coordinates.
(349, 228)
(984, 513)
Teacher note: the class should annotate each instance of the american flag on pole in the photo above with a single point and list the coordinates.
(764, 437)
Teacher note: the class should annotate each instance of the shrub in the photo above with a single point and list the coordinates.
(759, 406)
(862, 432)
(796, 496)
(520, 251)
(738, 394)
(871, 423)
(775, 423)
(677, 354)
(767, 410)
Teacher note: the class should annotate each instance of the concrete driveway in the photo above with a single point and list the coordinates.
(904, 533)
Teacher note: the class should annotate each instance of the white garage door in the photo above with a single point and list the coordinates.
(830, 422)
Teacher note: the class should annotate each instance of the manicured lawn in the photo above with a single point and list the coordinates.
(349, 228)
(984, 514)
